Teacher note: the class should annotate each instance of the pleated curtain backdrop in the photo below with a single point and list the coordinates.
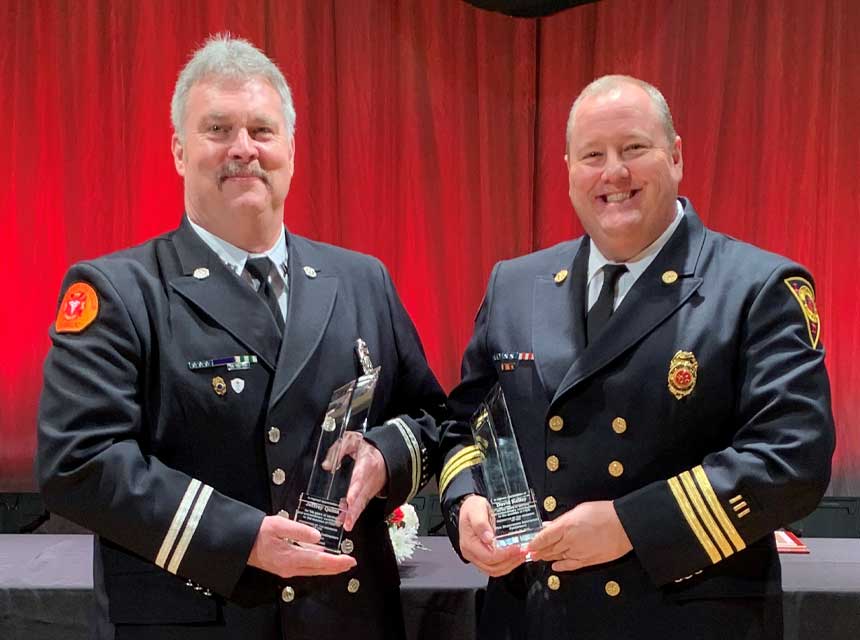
(431, 135)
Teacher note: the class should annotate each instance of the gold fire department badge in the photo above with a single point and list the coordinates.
(683, 370)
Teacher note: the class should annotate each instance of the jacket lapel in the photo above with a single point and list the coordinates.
(222, 296)
(558, 313)
(311, 302)
(648, 304)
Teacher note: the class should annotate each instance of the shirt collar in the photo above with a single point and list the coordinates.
(641, 261)
(234, 257)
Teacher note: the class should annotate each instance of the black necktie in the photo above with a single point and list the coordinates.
(259, 269)
(599, 314)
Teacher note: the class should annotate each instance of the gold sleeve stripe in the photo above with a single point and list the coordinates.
(716, 507)
(190, 529)
(735, 499)
(176, 524)
(463, 459)
(693, 521)
(465, 452)
(444, 482)
(705, 515)
(461, 463)
(743, 513)
(414, 454)
(740, 505)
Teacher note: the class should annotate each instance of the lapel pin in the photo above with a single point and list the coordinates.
(238, 384)
(560, 277)
(683, 371)
(670, 277)
(310, 272)
(201, 273)
(219, 386)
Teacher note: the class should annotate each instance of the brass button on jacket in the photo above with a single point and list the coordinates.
(288, 594)
(612, 588)
(353, 585)
(616, 469)
(619, 425)
(552, 463)
(549, 503)
(278, 476)
(553, 582)
(274, 435)
(556, 423)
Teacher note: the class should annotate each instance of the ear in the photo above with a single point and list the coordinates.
(677, 160)
(178, 154)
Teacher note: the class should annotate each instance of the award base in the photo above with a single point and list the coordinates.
(517, 519)
(326, 516)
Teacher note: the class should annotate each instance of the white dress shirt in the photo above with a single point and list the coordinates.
(234, 259)
(635, 266)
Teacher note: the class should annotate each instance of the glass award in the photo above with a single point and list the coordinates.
(323, 505)
(517, 518)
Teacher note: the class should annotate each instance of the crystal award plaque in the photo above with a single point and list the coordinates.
(517, 518)
(323, 505)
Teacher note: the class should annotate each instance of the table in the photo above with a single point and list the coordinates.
(46, 590)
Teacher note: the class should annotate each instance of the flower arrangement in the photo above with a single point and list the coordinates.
(403, 531)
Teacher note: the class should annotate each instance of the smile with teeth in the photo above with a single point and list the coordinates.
(621, 196)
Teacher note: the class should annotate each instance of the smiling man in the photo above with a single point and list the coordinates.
(667, 387)
(189, 377)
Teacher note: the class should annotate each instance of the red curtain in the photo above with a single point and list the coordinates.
(431, 135)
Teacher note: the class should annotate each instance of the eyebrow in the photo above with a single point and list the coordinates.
(259, 119)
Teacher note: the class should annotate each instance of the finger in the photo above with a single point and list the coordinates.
(296, 531)
(332, 456)
(554, 552)
(548, 537)
(501, 567)
(493, 556)
(309, 562)
(568, 565)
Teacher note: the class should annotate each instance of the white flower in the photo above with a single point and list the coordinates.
(404, 533)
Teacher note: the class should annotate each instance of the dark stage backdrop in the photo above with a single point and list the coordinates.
(431, 135)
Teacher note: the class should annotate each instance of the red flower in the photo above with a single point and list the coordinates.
(396, 516)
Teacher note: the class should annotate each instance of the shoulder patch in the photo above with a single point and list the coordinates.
(801, 289)
(79, 308)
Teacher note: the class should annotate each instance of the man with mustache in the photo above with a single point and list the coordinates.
(188, 380)
(667, 388)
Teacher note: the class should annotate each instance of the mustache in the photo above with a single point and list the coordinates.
(235, 169)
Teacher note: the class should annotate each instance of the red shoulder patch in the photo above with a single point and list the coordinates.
(79, 308)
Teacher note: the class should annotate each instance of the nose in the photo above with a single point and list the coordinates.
(615, 168)
(243, 148)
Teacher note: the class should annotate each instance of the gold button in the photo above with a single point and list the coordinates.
(284, 514)
(612, 588)
(670, 276)
(556, 423)
(553, 582)
(274, 435)
(278, 476)
(353, 585)
(619, 425)
(615, 468)
(561, 276)
(288, 594)
(549, 503)
(347, 546)
(552, 463)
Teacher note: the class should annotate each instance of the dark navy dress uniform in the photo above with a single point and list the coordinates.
(174, 461)
(702, 410)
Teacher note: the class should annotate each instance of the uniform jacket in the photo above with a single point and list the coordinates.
(703, 411)
(175, 471)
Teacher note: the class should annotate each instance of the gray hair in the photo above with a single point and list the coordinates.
(223, 56)
(605, 84)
